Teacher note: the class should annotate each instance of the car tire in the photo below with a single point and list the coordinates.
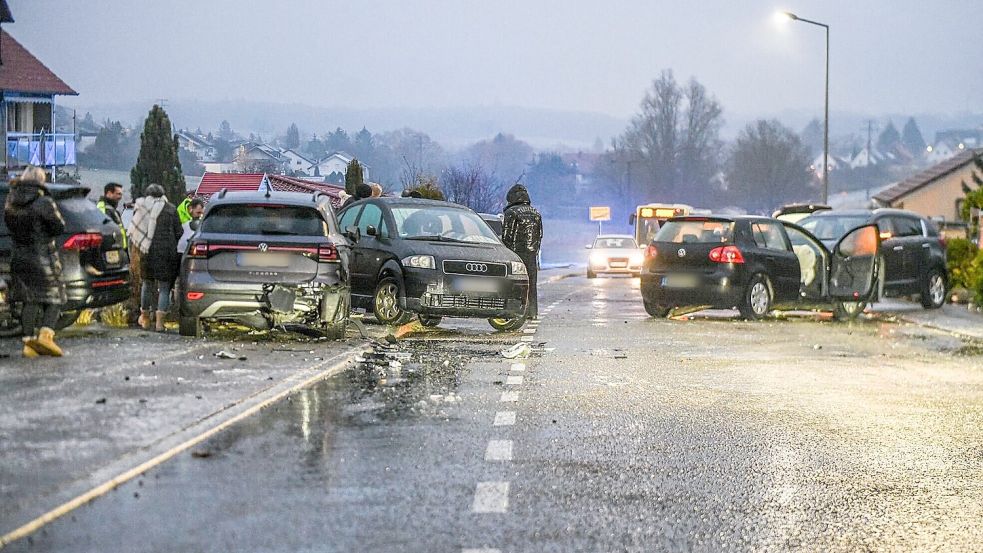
(430, 320)
(591, 274)
(385, 303)
(848, 310)
(934, 289)
(190, 326)
(66, 319)
(656, 310)
(756, 300)
(506, 325)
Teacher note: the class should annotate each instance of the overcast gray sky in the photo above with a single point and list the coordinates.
(904, 56)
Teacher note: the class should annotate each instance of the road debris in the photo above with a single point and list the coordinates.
(222, 354)
(518, 351)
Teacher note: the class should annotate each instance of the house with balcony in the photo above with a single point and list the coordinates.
(27, 107)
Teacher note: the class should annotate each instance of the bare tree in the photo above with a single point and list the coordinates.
(675, 139)
(470, 185)
(768, 166)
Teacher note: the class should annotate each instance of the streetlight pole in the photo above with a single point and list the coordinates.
(794, 17)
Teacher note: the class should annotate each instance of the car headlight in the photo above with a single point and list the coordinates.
(420, 262)
(518, 268)
(637, 258)
(598, 259)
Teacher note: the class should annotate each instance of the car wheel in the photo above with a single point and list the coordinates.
(933, 290)
(430, 320)
(386, 303)
(506, 325)
(657, 310)
(66, 319)
(756, 302)
(848, 310)
(190, 326)
(591, 274)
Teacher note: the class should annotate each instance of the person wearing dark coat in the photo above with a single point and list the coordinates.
(362, 191)
(155, 231)
(522, 232)
(34, 222)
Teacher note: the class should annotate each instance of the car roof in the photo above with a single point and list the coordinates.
(865, 212)
(56, 188)
(725, 218)
(417, 202)
(273, 198)
(614, 236)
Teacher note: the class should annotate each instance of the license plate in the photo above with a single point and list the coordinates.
(679, 281)
(476, 285)
(260, 259)
(113, 257)
(618, 264)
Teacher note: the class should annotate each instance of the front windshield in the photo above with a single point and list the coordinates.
(617, 242)
(832, 227)
(413, 222)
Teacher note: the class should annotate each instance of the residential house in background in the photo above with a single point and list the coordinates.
(297, 162)
(252, 157)
(333, 167)
(197, 145)
(27, 105)
(935, 192)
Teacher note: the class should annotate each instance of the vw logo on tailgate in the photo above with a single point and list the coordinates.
(681, 252)
(476, 268)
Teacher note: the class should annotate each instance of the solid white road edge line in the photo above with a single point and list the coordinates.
(322, 373)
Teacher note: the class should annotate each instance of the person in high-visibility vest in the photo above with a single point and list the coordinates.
(184, 210)
(112, 193)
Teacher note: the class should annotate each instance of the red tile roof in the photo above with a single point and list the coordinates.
(291, 184)
(22, 72)
(927, 176)
(212, 183)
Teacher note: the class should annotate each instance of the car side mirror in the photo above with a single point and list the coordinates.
(631, 219)
(371, 231)
(352, 233)
(588, 246)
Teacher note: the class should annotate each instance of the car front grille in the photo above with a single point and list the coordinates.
(618, 262)
(466, 302)
(477, 268)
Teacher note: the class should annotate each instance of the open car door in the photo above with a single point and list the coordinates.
(813, 260)
(854, 265)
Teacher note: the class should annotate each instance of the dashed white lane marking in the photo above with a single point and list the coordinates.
(491, 497)
(529, 331)
(482, 550)
(518, 367)
(525, 339)
(504, 418)
(499, 450)
(513, 380)
(509, 397)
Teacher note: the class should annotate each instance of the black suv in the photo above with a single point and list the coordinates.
(95, 267)
(267, 259)
(435, 259)
(912, 252)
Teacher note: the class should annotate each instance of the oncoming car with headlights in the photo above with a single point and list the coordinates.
(614, 254)
(435, 259)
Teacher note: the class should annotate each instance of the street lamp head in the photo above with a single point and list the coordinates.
(785, 16)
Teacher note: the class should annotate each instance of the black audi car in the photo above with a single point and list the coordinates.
(95, 266)
(756, 264)
(267, 259)
(435, 259)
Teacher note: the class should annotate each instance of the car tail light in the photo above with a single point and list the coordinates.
(942, 241)
(198, 250)
(726, 254)
(327, 252)
(192, 296)
(83, 241)
(651, 252)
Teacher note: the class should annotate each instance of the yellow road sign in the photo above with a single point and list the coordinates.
(600, 213)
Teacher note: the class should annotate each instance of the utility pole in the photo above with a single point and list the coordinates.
(871, 124)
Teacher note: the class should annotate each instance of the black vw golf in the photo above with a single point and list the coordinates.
(756, 264)
(432, 258)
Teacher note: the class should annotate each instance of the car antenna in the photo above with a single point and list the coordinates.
(221, 193)
(269, 188)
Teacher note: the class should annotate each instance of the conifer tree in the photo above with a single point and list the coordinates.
(911, 137)
(293, 137)
(158, 161)
(353, 176)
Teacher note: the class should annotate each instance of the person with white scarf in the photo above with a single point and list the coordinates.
(155, 231)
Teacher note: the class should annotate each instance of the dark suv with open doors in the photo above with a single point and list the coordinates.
(755, 264)
(434, 259)
(912, 253)
(95, 266)
(267, 259)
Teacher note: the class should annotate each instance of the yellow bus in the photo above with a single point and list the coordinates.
(648, 219)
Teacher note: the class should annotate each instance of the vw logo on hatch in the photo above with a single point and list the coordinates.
(476, 268)
(681, 252)
(263, 247)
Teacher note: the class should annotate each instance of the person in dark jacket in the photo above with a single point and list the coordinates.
(362, 191)
(112, 193)
(34, 222)
(522, 232)
(155, 231)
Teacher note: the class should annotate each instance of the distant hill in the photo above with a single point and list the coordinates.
(452, 127)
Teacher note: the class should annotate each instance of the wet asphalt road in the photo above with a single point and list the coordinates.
(623, 433)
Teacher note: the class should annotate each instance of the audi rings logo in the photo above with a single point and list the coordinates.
(263, 247)
(681, 252)
(476, 268)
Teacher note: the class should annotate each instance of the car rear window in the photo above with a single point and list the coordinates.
(615, 243)
(696, 231)
(264, 219)
(832, 227)
(81, 214)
